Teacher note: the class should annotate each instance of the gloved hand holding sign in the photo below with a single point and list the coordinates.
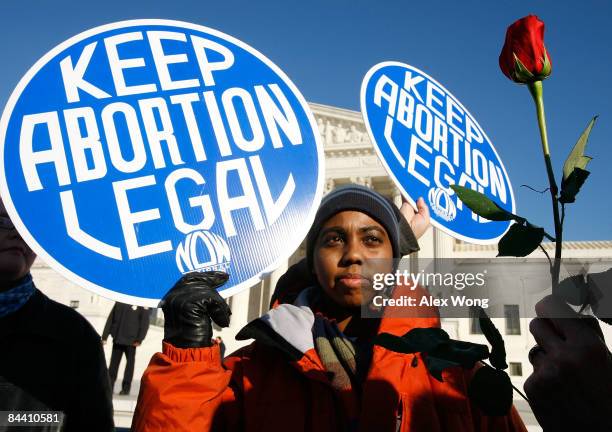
(189, 307)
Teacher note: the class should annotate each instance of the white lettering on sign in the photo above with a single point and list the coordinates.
(130, 118)
(156, 134)
(275, 116)
(74, 76)
(442, 130)
(163, 60)
(186, 103)
(204, 202)
(202, 47)
(55, 155)
(414, 157)
(188, 258)
(386, 90)
(118, 65)
(159, 134)
(74, 230)
(83, 145)
(240, 97)
(130, 219)
(248, 199)
(121, 137)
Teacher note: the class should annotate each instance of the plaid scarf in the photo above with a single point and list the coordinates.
(344, 360)
(336, 352)
(338, 355)
(13, 299)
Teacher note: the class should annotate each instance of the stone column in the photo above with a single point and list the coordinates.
(356, 180)
(443, 244)
(240, 308)
(273, 278)
(328, 133)
(397, 196)
(322, 129)
(330, 183)
(362, 181)
(426, 243)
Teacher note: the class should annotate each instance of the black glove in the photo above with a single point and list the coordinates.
(189, 306)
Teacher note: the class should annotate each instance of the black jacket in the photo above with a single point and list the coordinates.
(127, 324)
(51, 358)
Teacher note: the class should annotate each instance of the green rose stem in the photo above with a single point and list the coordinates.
(535, 88)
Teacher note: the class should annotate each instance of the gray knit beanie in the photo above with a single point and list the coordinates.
(357, 198)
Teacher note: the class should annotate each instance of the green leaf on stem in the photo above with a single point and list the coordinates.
(600, 294)
(452, 354)
(394, 343)
(521, 73)
(438, 350)
(436, 365)
(465, 354)
(482, 205)
(571, 185)
(576, 158)
(546, 66)
(416, 340)
(574, 290)
(520, 240)
(494, 337)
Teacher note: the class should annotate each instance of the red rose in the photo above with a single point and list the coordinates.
(524, 58)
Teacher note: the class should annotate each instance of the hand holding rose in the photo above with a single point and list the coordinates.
(570, 388)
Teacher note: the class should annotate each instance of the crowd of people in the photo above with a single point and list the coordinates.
(312, 365)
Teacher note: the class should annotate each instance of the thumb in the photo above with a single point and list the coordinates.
(407, 211)
(218, 310)
(422, 207)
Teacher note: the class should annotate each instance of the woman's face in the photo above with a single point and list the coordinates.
(350, 249)
(16, 257)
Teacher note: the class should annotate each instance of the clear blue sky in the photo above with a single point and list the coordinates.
(326, 47)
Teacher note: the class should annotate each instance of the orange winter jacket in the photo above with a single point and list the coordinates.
(278, 383)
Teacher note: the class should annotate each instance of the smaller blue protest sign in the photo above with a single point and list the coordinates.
(141, 150)
(427, 140)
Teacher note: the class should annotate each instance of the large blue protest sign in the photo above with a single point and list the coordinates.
(141, 150)
(427, 141)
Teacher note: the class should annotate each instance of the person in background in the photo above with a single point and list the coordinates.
(221, 344)
(51, 358)
(128, 325)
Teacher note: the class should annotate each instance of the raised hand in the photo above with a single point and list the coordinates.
(419, 219)
(189, 307)
(570, 388)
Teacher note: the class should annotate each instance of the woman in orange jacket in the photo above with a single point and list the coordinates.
(313, 365)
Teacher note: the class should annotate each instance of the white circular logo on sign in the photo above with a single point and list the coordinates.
(441, 204)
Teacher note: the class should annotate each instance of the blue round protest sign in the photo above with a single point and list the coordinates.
(428, 141)
(141, 150)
